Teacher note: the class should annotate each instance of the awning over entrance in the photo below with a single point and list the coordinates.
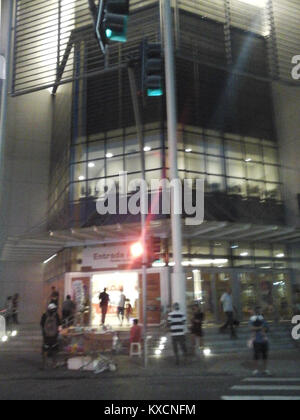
(37, 248)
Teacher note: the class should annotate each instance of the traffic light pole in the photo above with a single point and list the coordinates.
(178, 280)
(139, 129)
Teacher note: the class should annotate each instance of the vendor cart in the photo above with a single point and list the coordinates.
(83, 349)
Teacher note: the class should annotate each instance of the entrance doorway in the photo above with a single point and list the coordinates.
(116, 283)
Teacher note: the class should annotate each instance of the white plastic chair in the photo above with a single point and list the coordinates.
(2, 326)
(135, 349)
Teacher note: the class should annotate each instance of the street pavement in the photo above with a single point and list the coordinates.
(218, 377)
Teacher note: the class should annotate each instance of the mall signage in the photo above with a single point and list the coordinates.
(106, 257)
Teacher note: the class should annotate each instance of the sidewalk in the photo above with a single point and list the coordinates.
(28, 366)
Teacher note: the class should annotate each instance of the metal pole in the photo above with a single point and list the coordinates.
(4, 96)
(139, 129)
(178, 281)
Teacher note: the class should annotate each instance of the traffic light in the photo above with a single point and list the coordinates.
(112, 21)
(152, 69)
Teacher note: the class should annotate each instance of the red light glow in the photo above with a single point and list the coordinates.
(137, 250)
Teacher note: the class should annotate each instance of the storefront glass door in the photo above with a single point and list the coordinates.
(269, 291)
(223, 282)
(200, 289)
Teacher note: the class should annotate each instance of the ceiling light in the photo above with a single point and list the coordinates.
(109, 155)
(234, 246)
(91, 165)
(188, 150)
(50, 259)
(147, 149)
(81, 178)
(280, 255)
(248, 160)
(244, 254)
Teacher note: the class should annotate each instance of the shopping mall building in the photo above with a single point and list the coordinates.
(70, 126)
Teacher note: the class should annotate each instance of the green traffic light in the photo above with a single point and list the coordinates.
(155, 92)
(108, 33)
(112, 33)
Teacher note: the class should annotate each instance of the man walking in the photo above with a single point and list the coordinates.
(176, 322)
(228, 308)
(104, 301)
(121, 308)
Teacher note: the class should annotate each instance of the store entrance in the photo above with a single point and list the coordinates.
(116, 283)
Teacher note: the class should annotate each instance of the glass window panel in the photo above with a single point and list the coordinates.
(280, 251)
(198, 248)
(194, 142)
(181, 161)
(96, 150)
(79, 172)
(262, 250)
(98, 136)
(79, 153)
(131, 144)
(254, 152)
(256, 189)
(114, 166)
(255, 171)
(214, 165)
(273, 192)
(79, 190)
(220, 248)
(214, 146)
(233, 149)
(96, 169)
(235, 168)
(270, 155)
(94, 188)
(115, 146)
(131, 178)
(153, 141)
(272, 173)
(153, 160)
(215, 184)
(237, 186)
(243, 251)
(153, 175)
(195, 163)
(133, 163)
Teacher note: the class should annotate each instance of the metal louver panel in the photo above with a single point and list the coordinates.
(217, 32)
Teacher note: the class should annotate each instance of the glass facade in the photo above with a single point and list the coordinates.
(230, 164)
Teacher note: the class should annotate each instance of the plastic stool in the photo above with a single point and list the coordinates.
(135, 349)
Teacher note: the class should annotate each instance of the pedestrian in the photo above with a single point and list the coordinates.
(196, 329)
(9, 313)
(176, 322)
(259, 341)
(50, 324)
(104, 301)
(54, 297)
(121, 308)
(15, 309)
(68, 310)
(135, 332)
(228, 308)
(128, 311)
